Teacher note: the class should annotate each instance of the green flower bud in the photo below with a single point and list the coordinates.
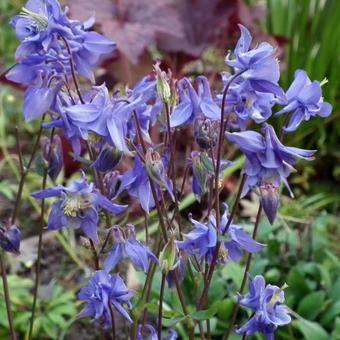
(167, 257)
(163, 87)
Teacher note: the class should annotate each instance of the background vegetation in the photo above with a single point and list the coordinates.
(303, 245)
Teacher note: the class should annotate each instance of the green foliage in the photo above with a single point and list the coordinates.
(56, 308)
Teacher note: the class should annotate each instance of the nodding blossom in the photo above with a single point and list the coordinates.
(304, 101)
(103, 294)
(267, 302)
(126, 245)
(77, 207)
(10, 237)
(268, 163)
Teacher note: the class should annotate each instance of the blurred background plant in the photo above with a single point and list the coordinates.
(191, 37)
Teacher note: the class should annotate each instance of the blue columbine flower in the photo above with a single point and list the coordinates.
(268, 163)
(258, 66)
(105, 290)
(77, 207)
(304, 101)
(244, 104)
(267, 302)
(126, 245)
(238, 240)
(42, 25)
(10, 237)
(202, 240)
(148, 332)
(192, 104)
(53, 155)
(136, 181)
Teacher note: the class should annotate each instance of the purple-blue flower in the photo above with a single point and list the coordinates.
(10, 237)
(237, 240)
(147, 332)
(136, 181)
(304, 101)
(244, 104)
(105, 292)
(202, 240)
(194, 104)
(258, 66)
(43, 27)
(126, 245)
(267, 302)
(53, 155)
(77, 207)
(268, 163)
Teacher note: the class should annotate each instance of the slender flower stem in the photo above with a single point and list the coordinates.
(172, 163)
(215, 254)
(7, 298)
(113, 325)
(94, 254)
(163, 228)
(160, 309)
(73, 70)
(19, 150)
(244, 279)
(42, 225)
(24, 175)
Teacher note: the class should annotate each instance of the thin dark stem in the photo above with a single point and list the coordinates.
(215, 254)
(19, 150)
(172, 164)
(163, 228)
(186, 171)
(105, 242)
(160, 309)
(42, 225)
(7, 298)
(94, 254)
(73, 70)
(24, 175)
(146, 226)
(113, 325)
(208, 330)
(244, 279)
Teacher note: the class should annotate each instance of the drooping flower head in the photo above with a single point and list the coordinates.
(126, 246)
(304, 101)
(194, 104)
(77, 207)
(137, 183)
(244, 104)
(202, 240)
(258, 66)
(10, 237)
(268, 163)
(105, 292)
(267, 302)
(53, 155)
(49, 41)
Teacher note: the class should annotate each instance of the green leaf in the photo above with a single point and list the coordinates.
(330, 313)
(311, 305)
(311, 330)
(204, 314)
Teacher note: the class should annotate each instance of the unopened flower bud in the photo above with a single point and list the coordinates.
(163, 87)
(10, 237)
(108, 158)
(154, 165)
(112, 183)
(206, 133)
(53, 155)
(167, 257)
(270, 199)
